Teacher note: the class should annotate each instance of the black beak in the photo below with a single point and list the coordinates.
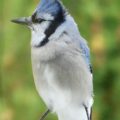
(23, 21)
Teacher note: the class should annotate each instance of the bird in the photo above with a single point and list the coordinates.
(61, 63)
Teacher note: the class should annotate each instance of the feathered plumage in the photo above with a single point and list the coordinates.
(60, 61)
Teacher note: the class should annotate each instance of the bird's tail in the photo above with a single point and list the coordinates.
(75, 113)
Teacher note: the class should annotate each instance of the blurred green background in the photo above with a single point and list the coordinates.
(99, 23)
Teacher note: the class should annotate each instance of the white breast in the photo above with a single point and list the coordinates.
(45, 81)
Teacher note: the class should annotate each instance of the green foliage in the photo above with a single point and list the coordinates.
(99, 23)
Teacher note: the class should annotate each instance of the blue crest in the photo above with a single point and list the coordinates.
(51, 7)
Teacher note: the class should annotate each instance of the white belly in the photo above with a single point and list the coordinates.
(52, 95)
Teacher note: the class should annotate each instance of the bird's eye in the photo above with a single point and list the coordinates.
(40, 20)
(36, 20)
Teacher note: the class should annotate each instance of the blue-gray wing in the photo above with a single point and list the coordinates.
(86, 53)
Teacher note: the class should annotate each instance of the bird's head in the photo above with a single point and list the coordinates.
(48, 15)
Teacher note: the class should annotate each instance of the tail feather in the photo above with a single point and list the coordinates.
(74, 113)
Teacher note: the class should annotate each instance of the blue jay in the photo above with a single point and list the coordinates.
(60, 61)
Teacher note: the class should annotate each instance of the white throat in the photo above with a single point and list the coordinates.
(38, 34)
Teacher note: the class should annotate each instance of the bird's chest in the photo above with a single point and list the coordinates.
(42, 78)
(45, 80)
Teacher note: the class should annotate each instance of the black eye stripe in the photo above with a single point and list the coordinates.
(35, 20)
(34, 17)
(59, 19)
(40, 20)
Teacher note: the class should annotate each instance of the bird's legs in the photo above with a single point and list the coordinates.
(45, 114)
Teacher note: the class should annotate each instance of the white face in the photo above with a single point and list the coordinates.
(38, 32)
